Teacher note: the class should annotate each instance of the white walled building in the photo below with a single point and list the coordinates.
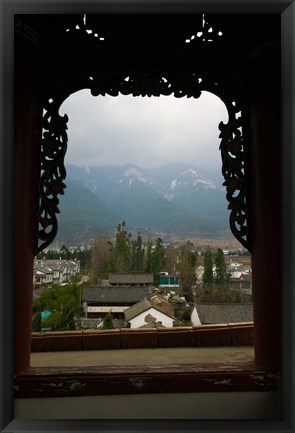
(144, 312)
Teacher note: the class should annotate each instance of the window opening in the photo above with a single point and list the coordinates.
(94, 114)
(54, 146)
(145, 83)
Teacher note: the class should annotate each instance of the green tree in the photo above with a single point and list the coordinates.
(36, 324)
(222, 276)
(122, 249)
(64, 302)
(65, 253)
(187, 268)
(149, 265)
(157, 260)
(137, 254)
(107, 322)
(101, 258)
(208, 268)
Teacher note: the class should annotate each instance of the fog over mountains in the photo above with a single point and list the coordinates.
(176, 199)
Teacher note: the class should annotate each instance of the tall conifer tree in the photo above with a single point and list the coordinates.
(158, 260)
(208, 268)
(222, 275)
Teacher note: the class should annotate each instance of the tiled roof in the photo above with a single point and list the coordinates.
(39, 272)
(236, 275)
(137, 309)
(56, 264)
(103, 295)
(225, 313)
(45, 270)
(142, 306)
(163, 303)
(132, 278)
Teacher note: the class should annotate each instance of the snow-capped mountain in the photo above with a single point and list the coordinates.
(134, 173)
(190, 180)
(190, 177)
(175, 198)
(169, 180)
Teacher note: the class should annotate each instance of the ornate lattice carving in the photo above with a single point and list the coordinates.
(53, 172)
(144, 82)
(232, 154)
(206, 33)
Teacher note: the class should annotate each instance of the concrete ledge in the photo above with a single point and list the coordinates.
(237, 334)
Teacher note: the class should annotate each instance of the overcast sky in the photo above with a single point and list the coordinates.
(148, 132)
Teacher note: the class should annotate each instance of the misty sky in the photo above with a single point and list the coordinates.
(148, 132)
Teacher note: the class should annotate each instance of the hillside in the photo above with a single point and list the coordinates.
(82, 215)
(175, 200)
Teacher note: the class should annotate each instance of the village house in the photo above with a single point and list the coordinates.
(162, 302)
(99, 301)
(241, 280)
(148, 314)
(115, 295)
(43, 276)
(233, 266)
(47, 272)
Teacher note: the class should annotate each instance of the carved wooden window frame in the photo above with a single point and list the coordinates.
(145, 84)
(53, 173)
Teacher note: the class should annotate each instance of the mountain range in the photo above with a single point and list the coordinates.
(176, 199)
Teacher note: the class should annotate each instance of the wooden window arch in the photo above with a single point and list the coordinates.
(142, 82)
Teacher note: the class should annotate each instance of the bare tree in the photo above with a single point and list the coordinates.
(101, 257)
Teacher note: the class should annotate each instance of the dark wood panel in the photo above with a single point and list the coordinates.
(72, 382)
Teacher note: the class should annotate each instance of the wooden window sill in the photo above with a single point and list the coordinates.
(89, 381)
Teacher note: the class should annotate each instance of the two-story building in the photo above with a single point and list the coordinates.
(118, 293)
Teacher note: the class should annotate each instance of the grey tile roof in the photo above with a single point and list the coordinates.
(225, 313)
(104, 295)
(131, 278)
(56, 264)
(45, 270)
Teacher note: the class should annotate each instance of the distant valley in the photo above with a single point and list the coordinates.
(176, 199)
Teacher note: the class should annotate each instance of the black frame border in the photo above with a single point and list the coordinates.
(7, 11)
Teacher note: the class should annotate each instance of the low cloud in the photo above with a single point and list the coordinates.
(149, 132)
